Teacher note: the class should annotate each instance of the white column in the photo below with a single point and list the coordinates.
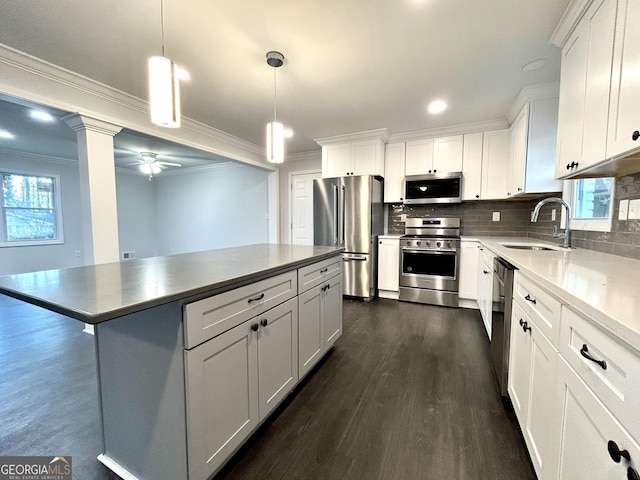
(97, 188)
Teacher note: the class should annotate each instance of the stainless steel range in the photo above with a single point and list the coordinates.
(429, 253)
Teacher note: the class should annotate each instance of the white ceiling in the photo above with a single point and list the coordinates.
(351, 65)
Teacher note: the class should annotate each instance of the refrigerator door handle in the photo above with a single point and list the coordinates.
(343, 211)
(336, 206)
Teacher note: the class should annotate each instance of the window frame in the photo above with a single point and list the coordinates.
(592, 225)
(57, 212)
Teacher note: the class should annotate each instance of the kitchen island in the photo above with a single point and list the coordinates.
(194, 351)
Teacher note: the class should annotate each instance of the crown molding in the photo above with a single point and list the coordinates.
(473, 127)
(30, 78)
(532, 93)
(310, 155)
(22, 155)
(568, 22)
(380, 133)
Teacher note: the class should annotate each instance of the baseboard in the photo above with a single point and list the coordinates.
(116, 468)
(388, 294)
(467, 303)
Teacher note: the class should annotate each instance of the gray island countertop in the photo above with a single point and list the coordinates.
(97, 293)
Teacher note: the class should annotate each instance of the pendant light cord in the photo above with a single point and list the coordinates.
(162, 24)
(275, 96)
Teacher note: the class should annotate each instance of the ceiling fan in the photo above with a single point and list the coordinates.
(150, 165)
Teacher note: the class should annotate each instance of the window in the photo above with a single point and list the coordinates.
(30, 210)
(591, 201)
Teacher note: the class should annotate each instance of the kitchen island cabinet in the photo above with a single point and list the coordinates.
(176, 405)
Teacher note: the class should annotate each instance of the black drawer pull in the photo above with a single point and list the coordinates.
(525, 326)
(632, 474)
(584, 351)
(256, 299)
(325, 270)
(529, 299)
(264, 322)
(635, 135)
(617, 454)
(255, 327)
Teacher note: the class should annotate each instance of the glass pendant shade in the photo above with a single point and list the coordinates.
(275, 142)
(150, 169)
(164, 92)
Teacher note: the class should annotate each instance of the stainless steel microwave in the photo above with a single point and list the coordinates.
(433, 188)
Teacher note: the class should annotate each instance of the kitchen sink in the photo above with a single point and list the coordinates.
(528, 247)
(533, 246)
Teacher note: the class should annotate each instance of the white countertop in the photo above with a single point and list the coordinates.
(604, 288)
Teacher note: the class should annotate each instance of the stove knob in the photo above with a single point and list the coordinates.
(408, 243)
(449, 244)
(418, 243)
(428, 243)
(438, 244)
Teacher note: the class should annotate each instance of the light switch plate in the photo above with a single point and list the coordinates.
(403, 217)
(624, 210)
(634, 209)
(496, 216)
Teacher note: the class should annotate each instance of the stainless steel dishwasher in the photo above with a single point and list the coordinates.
(501, 320)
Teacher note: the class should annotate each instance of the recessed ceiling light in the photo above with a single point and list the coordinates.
(437, 106)
(534, 65)
(41, 116)
(7, 135)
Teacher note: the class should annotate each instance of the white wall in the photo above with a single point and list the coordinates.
(211, 208)
(308, 162)
(45, 257)
(136, 214)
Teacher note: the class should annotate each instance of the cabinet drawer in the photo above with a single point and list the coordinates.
(541, 306)
(315, 274)
(617, 384)
(211, 316)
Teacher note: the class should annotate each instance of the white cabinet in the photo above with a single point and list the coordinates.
(234, 381)
(625, 82)
(319, 322)
(469, 265)
(485, 287)
(358, 158)
(388, 265)
(496, 152)
(434, 155)
(533, 147)
(472, 166)
(419, 157)
(394, 173)
(585, 82)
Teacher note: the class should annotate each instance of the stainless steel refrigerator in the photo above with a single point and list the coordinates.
(348, 212)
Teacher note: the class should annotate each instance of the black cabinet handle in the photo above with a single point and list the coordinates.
(256, 299)
(632, 474)
(529, 299)
(568, 166)
(635, 135)
(519, 189)
(617, 454)
(264, 322)
(434, 170)
(325, 270)
(401, 198)
(255, 327)
(571, 165)
(525, 326)
(485, 272)
(584, 351)
(477, 196)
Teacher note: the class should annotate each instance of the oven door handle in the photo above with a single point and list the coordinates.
(430, 252)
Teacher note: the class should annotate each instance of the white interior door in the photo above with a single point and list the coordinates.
(302, 208)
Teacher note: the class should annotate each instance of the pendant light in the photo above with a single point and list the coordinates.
(164, 87)
(275, 129)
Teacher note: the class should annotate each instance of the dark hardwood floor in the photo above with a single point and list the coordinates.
(407, 393)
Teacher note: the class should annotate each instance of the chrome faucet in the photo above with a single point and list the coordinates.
(567, 228)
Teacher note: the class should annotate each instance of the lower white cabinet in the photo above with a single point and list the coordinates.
(388, 264)
(469, 264)
(235, 380)
(485, 287)
(319, 322)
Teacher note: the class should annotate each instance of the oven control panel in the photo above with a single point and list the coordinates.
(430, 243)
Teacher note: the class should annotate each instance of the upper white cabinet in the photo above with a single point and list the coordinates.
(418, 157)
(394, 173)
(354, 154)
(533, 149)
(434, 155)
(599, 90)
(472, 166)
(496, 152)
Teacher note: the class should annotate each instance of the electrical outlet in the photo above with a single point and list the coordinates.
(496, 216)
(77, 253)
(634, 209)
(623, 213)
(128, 255)
(403, 217)
(553, 215)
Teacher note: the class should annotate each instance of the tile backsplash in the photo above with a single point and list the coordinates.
(476, 219)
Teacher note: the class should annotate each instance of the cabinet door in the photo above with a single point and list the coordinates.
(336, 161)
(519, 364)
(519, 131)
(472, 166)
(388, 263)
(221, 396)
(447, 154)
(310, 336)
(366, 158)
(586, 428)
(469, 270)
(496, 150)
(277, 354)
(625, 83)
(394, 173)
(419, 157)
(332, 312)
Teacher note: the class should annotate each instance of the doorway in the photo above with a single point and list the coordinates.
(301, 211)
